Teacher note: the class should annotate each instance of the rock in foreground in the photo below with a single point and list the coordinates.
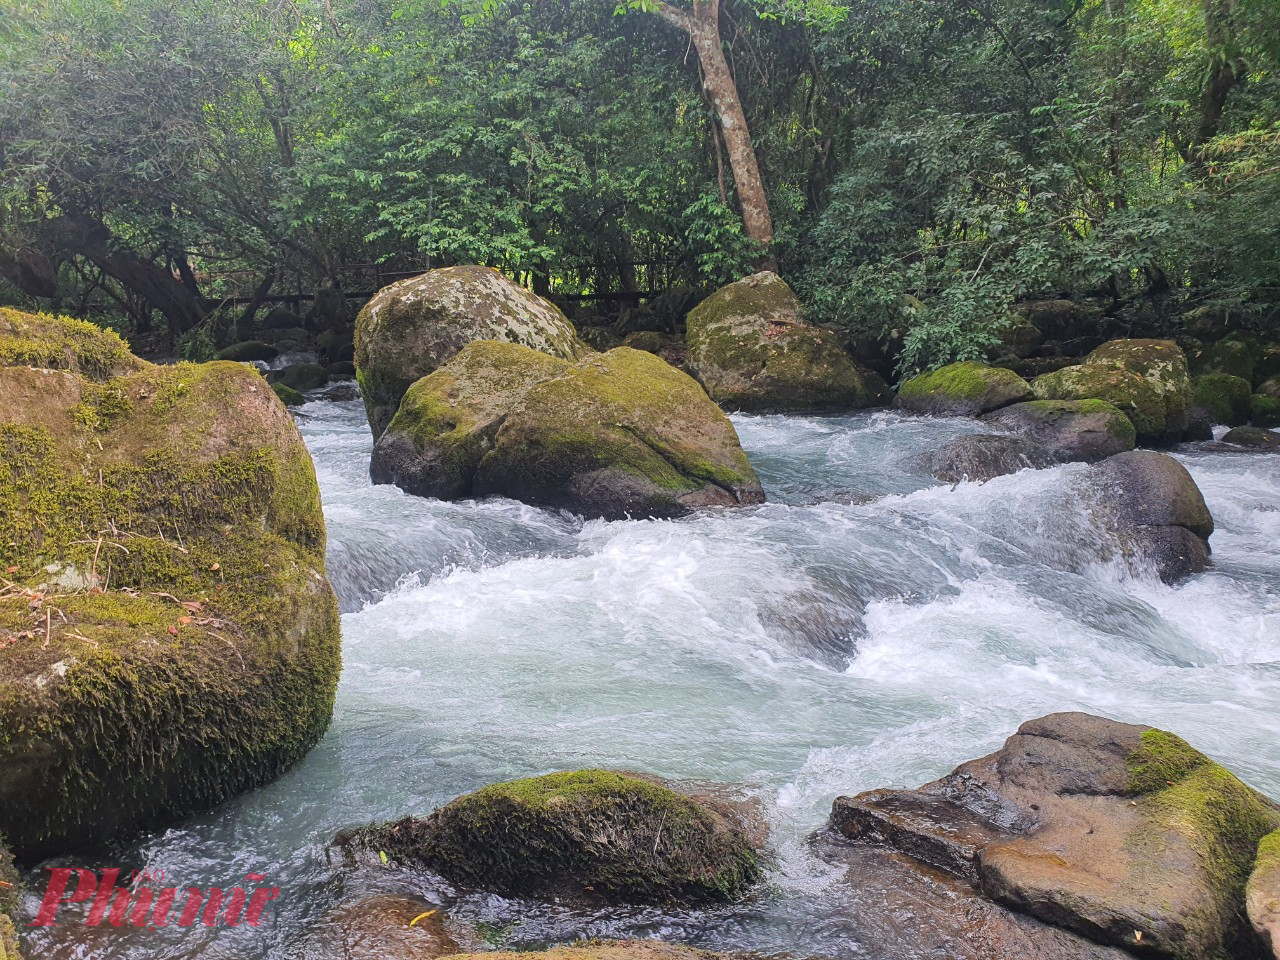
(409, 328)
(591, 835)
(170, 638)
(962, 390)
(751, 349)
(1121, 833)
(614, 435)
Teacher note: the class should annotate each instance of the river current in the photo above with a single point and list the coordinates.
(867, 627)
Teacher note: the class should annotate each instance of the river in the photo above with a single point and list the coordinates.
(867, 627)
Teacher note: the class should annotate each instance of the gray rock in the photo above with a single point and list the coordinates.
(1252, 437)
(1071, 430)
(980, 457)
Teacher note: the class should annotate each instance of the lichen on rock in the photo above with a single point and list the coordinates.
(410, 328)
(751, 349)
(170, 638)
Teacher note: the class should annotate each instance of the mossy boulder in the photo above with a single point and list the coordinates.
(1264, 411)
(616, 434)
(1262, 896)
(962, 390)
(1156, 510)
(751, 349)
(1254, 437)
(301, 376)
(250, 350)
(1147, 380)
(1071, 430)
(288, 396)
(169, 638)
(1225, 398)
(1232, 357)
(1121, 833)
(410, 328)
(594, 835)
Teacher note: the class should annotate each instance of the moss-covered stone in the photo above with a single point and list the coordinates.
(169, 637)
(60, 343)
(301, 376)
(1265, 411)
(1262, 895)
(591, 835)
(750, 348)
(10, 905)
(288, 396)
(1071, 430)
(962, 390)
(1147, 380)
(409, 328)
(1232, 356)
(614, 435)
(1227, 399)
(250, 350)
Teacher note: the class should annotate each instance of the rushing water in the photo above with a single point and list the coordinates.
(867, 627)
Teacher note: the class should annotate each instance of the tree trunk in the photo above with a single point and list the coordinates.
(702, 24)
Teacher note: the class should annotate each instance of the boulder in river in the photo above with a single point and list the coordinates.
(616, 434)
(1225, 398)
(752, 350)
(1231, 356)
(301, 376)
(169, 637)
(980, 457)
(588, 835)
(1254, 437)
(385, 926)
(410, 328)
(962, 390)
(1265, 411)
(1146, 379)
(1071, 430)
(1121, 833)
(1262, 895)
(250, 350)
(1150, 500)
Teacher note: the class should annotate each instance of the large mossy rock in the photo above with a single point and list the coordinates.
(614, 435)
(593, 835)
(1262, 895)
(1224, 398)
(751, 349)
(170, 638)
(1147, 380)
(1121, 833)
(1071, 430)
(1154, 506)
(964, 389)
(410, 328)
(1231, 356)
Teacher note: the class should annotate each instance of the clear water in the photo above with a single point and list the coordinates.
(867, 627)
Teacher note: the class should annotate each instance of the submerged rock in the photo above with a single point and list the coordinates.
(980, 457)
(388, 926)
(617, 434)
(1147, 380)
(1071, 430)
(1225, 398)
(1262, 896)
(593, 835)
(962, 390)
(607, 950)
(1123, 834)
(1252, 437)
(1154, 505)
(190, 648)
(410, 328)
(751, 349)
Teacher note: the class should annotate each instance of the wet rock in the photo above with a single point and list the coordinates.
(980, 457)
(183, 503)
(616, 434)
(288, 396)
(1199, 426)
(1262, 896)
(249, 351)
(1071, 430)
(410, 328)
(1253, 437)
(752, 350)
(1227, 399)
(589, 835)
(608, 950)
(1157, 510)
(341, 392)
(962, 390)
(1123, 834)
(301, 376)
(385, 926)
(1147, 380)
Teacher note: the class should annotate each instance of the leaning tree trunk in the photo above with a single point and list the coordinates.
(702, 24)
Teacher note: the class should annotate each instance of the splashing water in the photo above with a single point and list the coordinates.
(868, 627)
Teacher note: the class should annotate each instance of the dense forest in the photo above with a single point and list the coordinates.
(913, 167)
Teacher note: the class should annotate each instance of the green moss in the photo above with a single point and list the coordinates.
(1217, 815)
(1228, 357)
(1268, 857)
(186, 485)
(1265, 411)
(963, 388)
(596, 833)
(61, 343)
(1226, 398)
(288, 396)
